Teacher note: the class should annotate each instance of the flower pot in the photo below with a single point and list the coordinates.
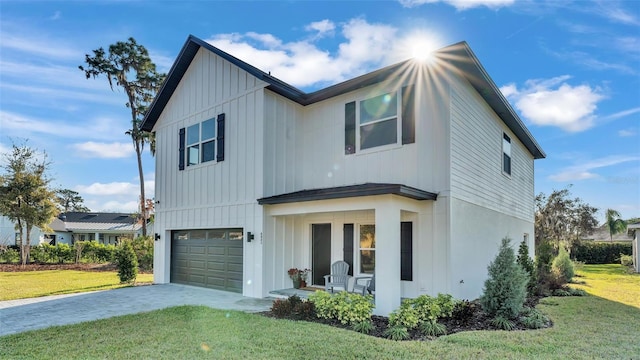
(296, 283)
(303, 283)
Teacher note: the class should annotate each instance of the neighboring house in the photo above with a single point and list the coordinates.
(634, 231)
(415, 171)
(106, 228)
(601, 233)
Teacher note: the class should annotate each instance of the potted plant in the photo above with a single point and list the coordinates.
(299, 277)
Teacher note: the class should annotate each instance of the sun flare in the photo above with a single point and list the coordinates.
(422, 45)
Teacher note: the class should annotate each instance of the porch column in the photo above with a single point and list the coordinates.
(97, 237)
(387, 255)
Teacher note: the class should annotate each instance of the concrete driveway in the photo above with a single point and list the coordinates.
(36, 313)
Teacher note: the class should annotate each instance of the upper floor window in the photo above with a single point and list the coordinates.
(506, 154)
(201, 142)
(381, 120)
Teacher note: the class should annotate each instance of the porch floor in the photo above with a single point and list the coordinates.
(302, 293)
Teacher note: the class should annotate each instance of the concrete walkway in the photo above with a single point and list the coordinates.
(36, 313)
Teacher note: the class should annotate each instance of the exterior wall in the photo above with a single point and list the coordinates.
(486, 204)
(304, 146)
(8, 233)
(213, 194)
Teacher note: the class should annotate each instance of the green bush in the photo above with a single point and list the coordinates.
(397, 333)
(528, 266)
(533, 319)
(143, 246)
(348, 308)
(506, 288)
(600, 252)
(363, 327)
(563, 266)
(463, 311)
(626, 260)
(423, 313)
(63, 253)
(503, 323)
(9, 255)
(127, 263)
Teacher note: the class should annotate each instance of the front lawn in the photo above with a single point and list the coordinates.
(610, 281)
(584, 328)
(28, 284)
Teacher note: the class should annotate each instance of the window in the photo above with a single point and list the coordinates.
(198, 142)
(201, 142)
(367, 249)
(380, 120)
(506, 154)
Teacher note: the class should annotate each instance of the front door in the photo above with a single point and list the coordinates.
(321, 252)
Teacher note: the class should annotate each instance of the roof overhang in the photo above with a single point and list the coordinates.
(341, 192)
(460, 57)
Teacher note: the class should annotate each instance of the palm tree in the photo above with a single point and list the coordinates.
(614, 223)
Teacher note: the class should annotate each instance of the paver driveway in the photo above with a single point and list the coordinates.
(36, 313)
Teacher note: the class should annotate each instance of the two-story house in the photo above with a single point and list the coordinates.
(415, 172)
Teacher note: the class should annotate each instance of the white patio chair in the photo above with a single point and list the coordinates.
(364, 284)
(339, 276)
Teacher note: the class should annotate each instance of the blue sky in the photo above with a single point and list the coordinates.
(570, 69)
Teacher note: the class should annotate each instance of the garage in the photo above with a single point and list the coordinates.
(210, 258)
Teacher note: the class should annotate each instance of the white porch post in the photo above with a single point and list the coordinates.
(388, 286)
(97, 237)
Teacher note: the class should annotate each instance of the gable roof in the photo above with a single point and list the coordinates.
(460, 57)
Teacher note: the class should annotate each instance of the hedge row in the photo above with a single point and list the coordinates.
(600, 252)
(90, 252)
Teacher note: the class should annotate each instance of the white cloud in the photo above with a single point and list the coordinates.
(461, 4)
(584, 171)
(365, 45)
(322, 27)
(97, 128)
(627, 132)
(109, 189)
(116, 206)
(621, 114)
(553, 102)
(112, 150)
(40, 46)
(613, 12)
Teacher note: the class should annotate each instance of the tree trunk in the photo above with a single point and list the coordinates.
(143, 208)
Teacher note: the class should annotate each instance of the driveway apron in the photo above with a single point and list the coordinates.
(17, 316)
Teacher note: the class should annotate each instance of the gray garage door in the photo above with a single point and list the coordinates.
(209, 258)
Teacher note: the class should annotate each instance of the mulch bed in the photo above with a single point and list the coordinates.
(477, 320)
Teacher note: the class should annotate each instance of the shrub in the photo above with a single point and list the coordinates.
(503, 323)
(305, 310)
(127, 263)
(9, 255)
(563, 266)
(397, 332)
(63, 253)
(506, 288)
(463, 311)
(363, 327)
(432, 328)
(533, 319)
(348, 308)
(601, 252)
(281, 308)
(423, 313)
(528, 266)
(143, 247)
(626, 260)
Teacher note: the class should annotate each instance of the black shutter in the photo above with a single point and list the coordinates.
(181, 150)
(350, 128)
(408, 115)
(220, 138)
(406, 251)
(348, 246)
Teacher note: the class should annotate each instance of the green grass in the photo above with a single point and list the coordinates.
(28, 284)
(611, 281)
(584, 328)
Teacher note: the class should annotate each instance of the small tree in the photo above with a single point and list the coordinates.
(25, 197)
(527, 265)
(563, 266)
(614, 223)
(127, 263)
(506, 288)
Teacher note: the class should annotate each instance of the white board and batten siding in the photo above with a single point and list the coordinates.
(212, 194)
(486, 204)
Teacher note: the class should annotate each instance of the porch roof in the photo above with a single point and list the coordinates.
(340, 192)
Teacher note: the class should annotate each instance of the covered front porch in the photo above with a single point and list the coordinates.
(375, 233)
